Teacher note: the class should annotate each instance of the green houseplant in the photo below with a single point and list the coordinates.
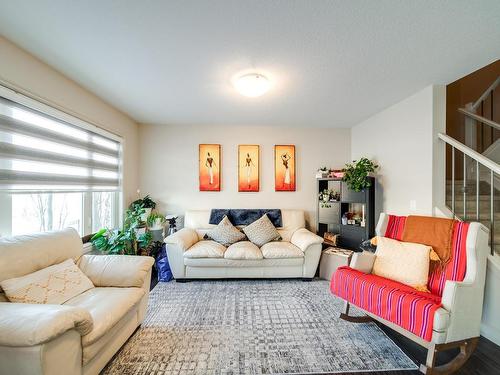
(355, 174)
(132, 239)
(155, 221)
(146, 205)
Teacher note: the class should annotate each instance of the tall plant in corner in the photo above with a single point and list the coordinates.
(355, 174)
(126, 240)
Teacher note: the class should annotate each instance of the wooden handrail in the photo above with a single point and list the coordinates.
(482, 119)
(490, 164)
(485, 94)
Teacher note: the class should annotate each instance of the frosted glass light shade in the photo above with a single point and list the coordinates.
(252, 85)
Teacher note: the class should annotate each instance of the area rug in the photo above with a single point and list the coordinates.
(253, 327)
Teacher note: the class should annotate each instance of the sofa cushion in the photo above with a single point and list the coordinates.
(21, 255)
(243, 216)
(106, 306)
(388, 299)
(52, 285)
(261, 231)
(225, 233)
(205, 249)
(405, 262)
(281, 249)
(243, 250)
(292, 221)
(223, 263)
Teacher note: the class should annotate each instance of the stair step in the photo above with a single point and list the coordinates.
(471, 206)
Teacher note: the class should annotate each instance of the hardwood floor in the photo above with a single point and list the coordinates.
(484, 361)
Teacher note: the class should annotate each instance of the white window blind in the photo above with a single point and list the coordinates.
(42, 153)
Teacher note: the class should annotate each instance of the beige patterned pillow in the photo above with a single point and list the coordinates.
(405, 262)
(52, 285)
(261, 231)
(225, 233)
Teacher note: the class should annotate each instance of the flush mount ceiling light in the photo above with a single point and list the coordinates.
(252, 85)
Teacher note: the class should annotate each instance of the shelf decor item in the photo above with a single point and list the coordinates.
(356, 173)
(248, 168)
(327, 196)
(331, 238)
(209, 167)
(284, 168)
(322, 172)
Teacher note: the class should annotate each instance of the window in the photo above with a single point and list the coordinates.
(56, 171)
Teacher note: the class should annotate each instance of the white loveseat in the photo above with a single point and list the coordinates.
(192, 257)
(81, 335)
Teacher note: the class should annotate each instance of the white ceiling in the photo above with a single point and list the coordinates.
(333, 63)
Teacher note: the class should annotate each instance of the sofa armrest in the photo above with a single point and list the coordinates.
(302, 238)
(363, 261)
(184, 239)
(464, 301)
(116, 270)
(24, 324)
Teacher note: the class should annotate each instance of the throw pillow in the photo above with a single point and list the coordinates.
(404, 262)
(52, 285)
(225, 233)
(262, 231)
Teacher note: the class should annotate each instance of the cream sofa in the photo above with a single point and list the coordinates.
(192, 257)
(83, 334)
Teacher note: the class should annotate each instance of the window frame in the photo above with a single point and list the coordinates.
(62, 114)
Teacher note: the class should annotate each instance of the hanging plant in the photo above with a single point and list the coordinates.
(355, 174)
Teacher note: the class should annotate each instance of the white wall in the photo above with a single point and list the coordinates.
(400, 139)
(29, 76)
(403, 139)
(169, 165)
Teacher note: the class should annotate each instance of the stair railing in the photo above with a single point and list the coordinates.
(493, 168)
(473, 119)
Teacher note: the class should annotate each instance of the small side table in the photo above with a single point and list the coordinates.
(331, 259)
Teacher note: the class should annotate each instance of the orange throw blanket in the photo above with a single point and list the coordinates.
(432, 231)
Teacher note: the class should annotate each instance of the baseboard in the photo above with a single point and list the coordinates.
(491, 333)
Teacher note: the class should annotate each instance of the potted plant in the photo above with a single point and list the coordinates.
(145, 204)
(121, 241)
(156, 221)
(355, 174)
(132, 239)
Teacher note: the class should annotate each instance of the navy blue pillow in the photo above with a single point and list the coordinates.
(245, 216)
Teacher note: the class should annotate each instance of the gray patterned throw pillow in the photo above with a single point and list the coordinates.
(261, 231)
(226, 233)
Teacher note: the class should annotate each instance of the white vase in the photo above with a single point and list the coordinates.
(145, 215)
(157, 225)
(140, 231)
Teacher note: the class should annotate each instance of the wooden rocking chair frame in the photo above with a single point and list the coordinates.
(466, 347)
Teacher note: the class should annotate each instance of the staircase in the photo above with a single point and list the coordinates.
(472, 193)
(471, 213)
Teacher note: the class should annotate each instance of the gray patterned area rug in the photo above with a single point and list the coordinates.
(252, 327)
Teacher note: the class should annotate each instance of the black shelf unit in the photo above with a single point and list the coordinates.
(329, 219)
